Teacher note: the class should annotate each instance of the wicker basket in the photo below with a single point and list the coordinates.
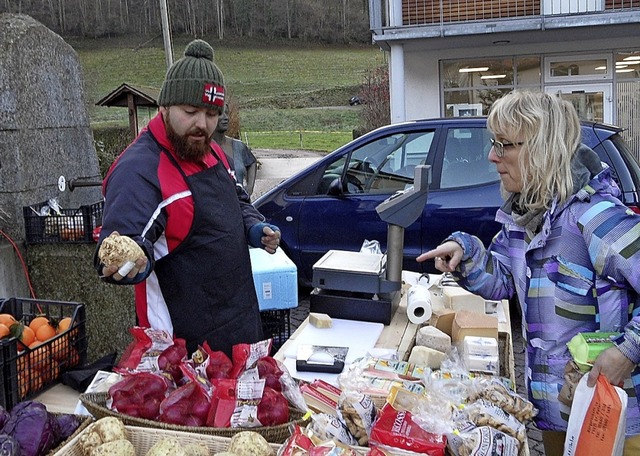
(143, 438)
(95, 403)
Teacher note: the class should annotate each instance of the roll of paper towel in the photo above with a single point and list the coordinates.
(418, 304)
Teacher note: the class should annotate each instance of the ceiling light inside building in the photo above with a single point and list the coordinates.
(601, 68)
(631, 58)
(473, 70)
(493, 76)
(624, 70)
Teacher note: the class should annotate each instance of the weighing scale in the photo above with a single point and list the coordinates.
(366, 286)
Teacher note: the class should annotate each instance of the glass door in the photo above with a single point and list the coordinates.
(592, 101)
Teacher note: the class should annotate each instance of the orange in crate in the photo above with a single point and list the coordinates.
(37, 322)
(64, 325)
(29, 368)
(45, 332)
(60, 348)
(7, 320)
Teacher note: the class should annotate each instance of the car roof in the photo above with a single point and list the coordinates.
(592, 132)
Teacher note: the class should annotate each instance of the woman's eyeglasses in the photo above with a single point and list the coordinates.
(499, 146)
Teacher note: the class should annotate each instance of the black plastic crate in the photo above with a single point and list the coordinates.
(66, 226)
(26, 372)
(276, 324)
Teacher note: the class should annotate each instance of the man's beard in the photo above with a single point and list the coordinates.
(193, 152)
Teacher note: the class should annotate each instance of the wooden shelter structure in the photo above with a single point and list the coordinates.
(132, 96)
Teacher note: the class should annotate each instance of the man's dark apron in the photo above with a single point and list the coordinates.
(207, 281)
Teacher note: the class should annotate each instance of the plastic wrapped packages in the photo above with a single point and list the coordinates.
(324, 427)
(496, 391)
(371, 247)
(298, 443)
(398, 429)
(452, 380)
(431, 411)
(332, 448)
(483, 441)
(377, 376)
(485, 413)
(358, 412)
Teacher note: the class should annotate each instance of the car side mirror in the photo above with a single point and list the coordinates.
(336, 187)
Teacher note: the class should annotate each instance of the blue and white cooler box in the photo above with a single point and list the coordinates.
(275, 278)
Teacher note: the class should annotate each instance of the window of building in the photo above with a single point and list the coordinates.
(627, 65)
(559, 69)
(472, 85)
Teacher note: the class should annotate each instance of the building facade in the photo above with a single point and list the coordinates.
(455, 57)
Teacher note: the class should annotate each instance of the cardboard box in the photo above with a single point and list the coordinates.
(467, 323)
(275, 278)
(442, 319)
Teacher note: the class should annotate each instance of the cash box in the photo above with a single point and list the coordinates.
(275, 278)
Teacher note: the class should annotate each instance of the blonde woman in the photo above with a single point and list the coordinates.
(568, 249)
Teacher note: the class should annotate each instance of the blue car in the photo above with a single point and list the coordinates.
(331, 205)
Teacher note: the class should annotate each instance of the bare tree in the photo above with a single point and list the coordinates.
(329, 21)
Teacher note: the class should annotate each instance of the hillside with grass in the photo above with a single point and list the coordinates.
(289, 95)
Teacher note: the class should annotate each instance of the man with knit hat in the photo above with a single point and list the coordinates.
(172, 192)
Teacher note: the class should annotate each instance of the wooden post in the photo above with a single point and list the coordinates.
(133, 114)
(166, 34)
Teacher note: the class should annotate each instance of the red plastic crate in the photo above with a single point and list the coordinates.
(27, 372)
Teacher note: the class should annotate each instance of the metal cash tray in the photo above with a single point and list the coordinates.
(349, 271)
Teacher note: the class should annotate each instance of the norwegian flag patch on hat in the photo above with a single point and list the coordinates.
(213, 94)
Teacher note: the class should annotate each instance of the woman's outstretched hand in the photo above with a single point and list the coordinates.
(447, 256)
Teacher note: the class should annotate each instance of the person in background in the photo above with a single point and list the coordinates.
(244, 162)
(568, 249)
(172, 191)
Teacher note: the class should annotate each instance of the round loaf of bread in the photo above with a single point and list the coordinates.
(117, 250)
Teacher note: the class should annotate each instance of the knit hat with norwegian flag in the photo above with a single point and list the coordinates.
(194, 79)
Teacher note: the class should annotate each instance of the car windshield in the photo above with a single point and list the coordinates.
(383, 165)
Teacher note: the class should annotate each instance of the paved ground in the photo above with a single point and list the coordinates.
(276, 165)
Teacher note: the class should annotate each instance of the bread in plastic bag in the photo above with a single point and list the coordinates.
(597, 420)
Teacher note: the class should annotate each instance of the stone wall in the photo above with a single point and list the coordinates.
(65, 272)
(44, 124)
(44, 134)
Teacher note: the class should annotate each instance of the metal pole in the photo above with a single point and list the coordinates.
(395, 247)
(166, 33)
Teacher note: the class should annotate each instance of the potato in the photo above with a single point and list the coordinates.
(115, 448)
(250, 443)
(167, 447)
(107, 429)
(197, 449)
